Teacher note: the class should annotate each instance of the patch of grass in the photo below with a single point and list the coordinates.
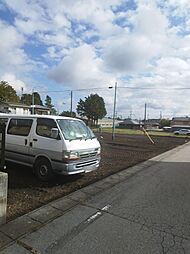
(139, 132)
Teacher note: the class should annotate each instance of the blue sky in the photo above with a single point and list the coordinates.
(85, 44)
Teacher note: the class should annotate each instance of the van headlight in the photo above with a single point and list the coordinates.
(69, 156)
(99, 151)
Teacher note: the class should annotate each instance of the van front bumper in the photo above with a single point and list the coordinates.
(77, 167)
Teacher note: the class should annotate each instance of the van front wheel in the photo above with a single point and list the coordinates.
(43, 169)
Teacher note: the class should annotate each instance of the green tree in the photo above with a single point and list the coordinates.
(27, 99)
(68, 113)
(164, 122)
(48, 104)
(93, 107)
(37, 99)
(7, 93)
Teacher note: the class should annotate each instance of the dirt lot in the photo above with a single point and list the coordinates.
(27, 193)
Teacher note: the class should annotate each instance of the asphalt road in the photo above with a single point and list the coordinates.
(147, 213)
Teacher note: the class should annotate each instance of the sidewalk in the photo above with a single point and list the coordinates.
(65, 213)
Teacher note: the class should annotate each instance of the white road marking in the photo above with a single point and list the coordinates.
(94, 216)
(106, 208)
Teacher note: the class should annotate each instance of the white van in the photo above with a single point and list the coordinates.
(51, 144)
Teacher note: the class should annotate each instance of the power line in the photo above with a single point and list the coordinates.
(122, 87)
(155, 88)
(69, 90)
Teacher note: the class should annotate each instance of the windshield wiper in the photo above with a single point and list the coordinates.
(82, 138)
(74, 139)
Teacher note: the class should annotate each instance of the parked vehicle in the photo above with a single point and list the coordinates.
(182, 132)
(51, 144)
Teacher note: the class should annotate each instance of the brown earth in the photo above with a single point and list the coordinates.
(26, 193)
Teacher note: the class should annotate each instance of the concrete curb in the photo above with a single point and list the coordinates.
(14, 230)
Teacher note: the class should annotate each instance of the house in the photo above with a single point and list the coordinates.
(108, 122)
(14, 108)
(19, 109)
(178, 123)
(130, 124)
(4, 107)
(39, 110)
(184, 121)
(22, 109)
(152, 123)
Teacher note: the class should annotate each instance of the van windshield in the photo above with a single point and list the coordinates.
(73, 129)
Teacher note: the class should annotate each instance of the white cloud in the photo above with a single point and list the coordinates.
(151, 48)
(12, 55)
(150, 21)
(28, 9)
(129, 53)
(132, 51)
(97, 13)
(172, 65)
(43, 23)
(81, 68)
(16, 83)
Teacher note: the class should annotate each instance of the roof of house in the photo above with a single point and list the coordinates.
(181, 118)
(18, 105)
(152, 120)
(39, 107)
(129, 122)
(180, 126)
(108, 120)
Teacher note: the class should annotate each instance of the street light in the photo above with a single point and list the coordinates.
(114, 109)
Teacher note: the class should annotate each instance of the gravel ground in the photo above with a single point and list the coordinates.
(26, 193)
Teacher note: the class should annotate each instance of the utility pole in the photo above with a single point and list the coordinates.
(33, 101)
(71, 109)
(145, 116)
(114, 108)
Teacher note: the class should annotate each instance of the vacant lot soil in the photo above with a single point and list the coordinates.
(26, 193)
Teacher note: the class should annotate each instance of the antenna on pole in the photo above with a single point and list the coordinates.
(160, 115)
(131, 113)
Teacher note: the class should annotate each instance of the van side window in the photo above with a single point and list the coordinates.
(19, 127)
(44, 127)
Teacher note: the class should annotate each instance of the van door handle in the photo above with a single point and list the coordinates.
(35, 139)
(25, 141)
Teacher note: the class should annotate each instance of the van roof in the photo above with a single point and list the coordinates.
(37, 116)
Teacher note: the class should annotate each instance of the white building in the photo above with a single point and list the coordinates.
(108, 122)
(19, 109)
(22, 109)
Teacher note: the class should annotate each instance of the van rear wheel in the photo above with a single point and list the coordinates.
(43, 169)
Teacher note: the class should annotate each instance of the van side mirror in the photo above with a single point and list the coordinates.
(55, 133)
